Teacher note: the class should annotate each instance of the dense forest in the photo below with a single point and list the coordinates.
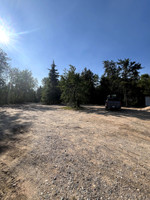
(120, 77)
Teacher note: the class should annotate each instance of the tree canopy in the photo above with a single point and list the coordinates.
(21, 86)
(121, 78)
(16, 86)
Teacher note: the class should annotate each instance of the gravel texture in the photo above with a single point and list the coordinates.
(47, 152)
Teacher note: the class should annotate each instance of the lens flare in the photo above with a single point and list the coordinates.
(7, 34)
(4, 36)
(9, 38)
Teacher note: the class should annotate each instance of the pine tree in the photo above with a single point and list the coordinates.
(70, 85)
(51, 91)
(89, 81)
(39, 94)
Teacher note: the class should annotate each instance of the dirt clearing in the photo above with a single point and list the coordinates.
(47, 152)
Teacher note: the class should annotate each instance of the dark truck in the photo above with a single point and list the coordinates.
(113, 102)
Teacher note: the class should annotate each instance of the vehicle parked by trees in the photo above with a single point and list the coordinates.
(113, 102)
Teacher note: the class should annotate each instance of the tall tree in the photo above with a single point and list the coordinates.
(70, 85)
(129, 72)
(88, 83)
(121, 78)
(144, 84)
(21, 86)
(39, 94)
(110, 79)
(4, 66)
(111, 70)
(4, 71)
(51, 91)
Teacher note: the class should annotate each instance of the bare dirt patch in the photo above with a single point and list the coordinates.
(47, 152)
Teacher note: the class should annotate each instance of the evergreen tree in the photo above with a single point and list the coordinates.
(70, 85)
(51, 91)
(144, 84)
(143, 88)
(88, 83)
(110, 80)
(129, 73)
(39, 94)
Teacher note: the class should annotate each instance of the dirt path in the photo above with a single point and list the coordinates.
(47, 152)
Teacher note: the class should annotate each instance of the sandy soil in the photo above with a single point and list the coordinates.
(47, 152)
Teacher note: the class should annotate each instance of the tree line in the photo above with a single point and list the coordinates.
(120, 77)
(16, 86)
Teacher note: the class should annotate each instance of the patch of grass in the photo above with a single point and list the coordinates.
(72, 108)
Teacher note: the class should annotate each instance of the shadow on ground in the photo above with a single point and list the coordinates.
(33, 107)
(10, 127)
(124, 112)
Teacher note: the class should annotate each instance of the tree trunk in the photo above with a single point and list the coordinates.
(125, 97)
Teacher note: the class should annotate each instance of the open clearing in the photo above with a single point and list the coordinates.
(47, 152)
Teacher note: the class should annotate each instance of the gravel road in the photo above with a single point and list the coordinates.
(48, 152)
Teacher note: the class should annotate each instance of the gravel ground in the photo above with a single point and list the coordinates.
(47, 152)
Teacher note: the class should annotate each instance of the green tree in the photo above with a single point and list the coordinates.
(4, 66)
(111, 69)
(110, 80)
(21, 86)
(89, 81)
(70, 85)
(129, 73)
(121, 78)
(144, 84)
(4, 71)
(51, 91)
(39, 94)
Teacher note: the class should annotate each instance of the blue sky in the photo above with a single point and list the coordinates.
(83, 33)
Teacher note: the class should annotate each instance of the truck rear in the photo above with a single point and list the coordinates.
(113, 103)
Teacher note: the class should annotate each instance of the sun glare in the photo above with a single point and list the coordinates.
(4, 36)
(8, 36)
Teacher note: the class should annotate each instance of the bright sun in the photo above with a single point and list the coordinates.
(4, 36)
(8, 36)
